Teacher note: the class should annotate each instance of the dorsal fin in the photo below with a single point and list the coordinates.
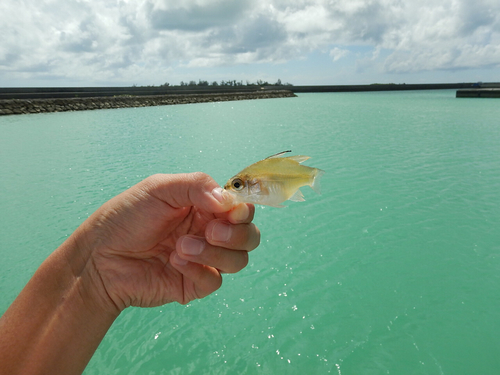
(299, 158)
(278, 154)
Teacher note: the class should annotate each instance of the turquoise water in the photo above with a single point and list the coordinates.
(394, 269)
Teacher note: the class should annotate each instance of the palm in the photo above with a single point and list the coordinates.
(135, 258)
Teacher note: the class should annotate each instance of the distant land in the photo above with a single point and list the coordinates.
(15, 101)
(86, 92)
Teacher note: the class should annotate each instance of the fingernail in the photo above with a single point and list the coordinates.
(218, 194)
(192, 246)
(221, 232)
(178, 260)
(223, 196)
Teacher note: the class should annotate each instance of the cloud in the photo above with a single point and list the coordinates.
(337, 53)
(99, 41)
(195, 15)
(452, 35)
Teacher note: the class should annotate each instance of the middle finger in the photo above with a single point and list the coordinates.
(232, 236)
(198, 250)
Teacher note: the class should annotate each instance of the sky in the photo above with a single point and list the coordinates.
(58, 43)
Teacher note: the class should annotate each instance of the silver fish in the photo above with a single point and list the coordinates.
(274, 180)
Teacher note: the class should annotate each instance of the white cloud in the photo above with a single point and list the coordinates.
(337, 53)
(103, 42)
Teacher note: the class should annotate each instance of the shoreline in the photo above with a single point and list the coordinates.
(47, 105)
(86, 92)
(25, 100)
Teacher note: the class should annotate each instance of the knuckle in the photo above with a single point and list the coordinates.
(151, 182)
(200, 176)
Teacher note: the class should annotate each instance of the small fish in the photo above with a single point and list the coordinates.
(274, 180)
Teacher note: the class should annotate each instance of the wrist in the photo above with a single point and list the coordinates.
(80, 254)
(71, 317)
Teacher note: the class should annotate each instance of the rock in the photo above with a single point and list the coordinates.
(18, 106)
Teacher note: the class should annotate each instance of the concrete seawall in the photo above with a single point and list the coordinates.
(26, 106)
(22, 100)
(479, 93)
(381, 87)
(87, 92)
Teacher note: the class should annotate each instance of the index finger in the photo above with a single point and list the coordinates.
(188, 190)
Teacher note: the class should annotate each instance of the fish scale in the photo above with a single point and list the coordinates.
(273, 180)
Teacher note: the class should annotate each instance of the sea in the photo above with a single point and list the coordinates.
(393, 269)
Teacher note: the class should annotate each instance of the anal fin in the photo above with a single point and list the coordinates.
(297, 196)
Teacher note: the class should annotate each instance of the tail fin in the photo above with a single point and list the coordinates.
(316, 176)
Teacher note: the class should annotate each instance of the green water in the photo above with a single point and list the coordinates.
(394, 269)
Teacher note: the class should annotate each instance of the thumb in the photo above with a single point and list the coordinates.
(189, 189)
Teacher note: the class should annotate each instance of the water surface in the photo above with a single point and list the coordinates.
(393, 269)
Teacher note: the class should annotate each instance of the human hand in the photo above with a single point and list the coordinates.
(166, 239)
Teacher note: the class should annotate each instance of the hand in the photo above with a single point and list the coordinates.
(167, 239)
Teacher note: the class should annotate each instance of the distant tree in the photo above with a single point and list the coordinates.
(230, 83)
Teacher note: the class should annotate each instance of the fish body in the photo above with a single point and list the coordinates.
(274, 180)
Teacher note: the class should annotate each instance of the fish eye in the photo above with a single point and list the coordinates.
(238, 184)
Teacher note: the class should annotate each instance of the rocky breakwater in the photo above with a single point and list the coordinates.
(26, 106)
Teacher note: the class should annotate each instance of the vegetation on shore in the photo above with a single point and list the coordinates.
(230, 83)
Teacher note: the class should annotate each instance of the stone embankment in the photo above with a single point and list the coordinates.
(26, 106)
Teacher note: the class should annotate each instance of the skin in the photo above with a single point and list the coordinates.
(166, 239)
